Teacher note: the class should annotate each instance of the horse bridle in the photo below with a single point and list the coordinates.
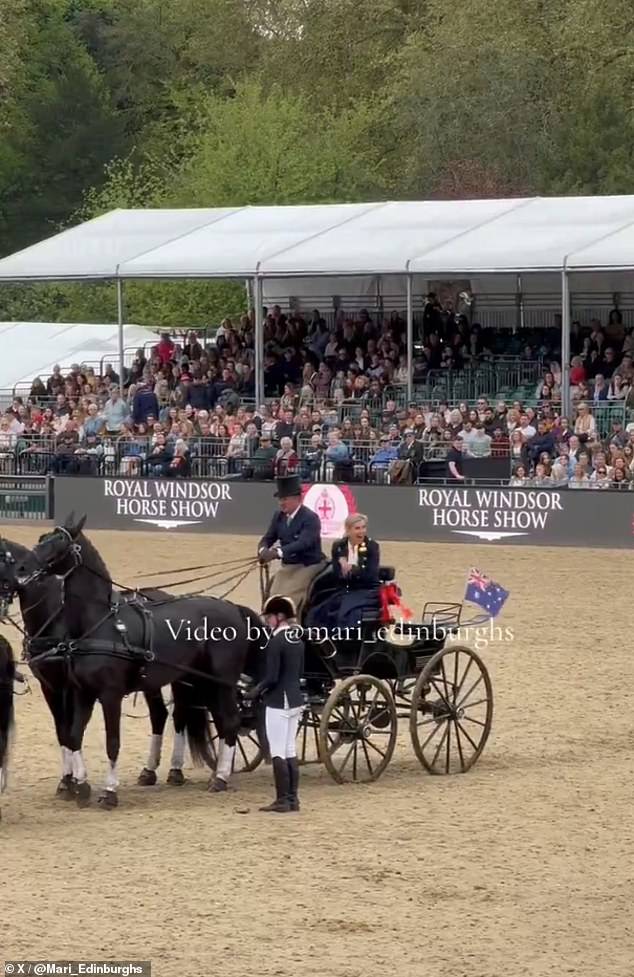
(42, 570)
(74, 550)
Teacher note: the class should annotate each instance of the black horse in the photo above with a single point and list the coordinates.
(201, 645)
(7, 678)
(41, 606)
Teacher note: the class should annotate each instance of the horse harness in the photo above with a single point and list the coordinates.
(39, 648)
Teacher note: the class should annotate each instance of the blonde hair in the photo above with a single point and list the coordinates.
(354, 519)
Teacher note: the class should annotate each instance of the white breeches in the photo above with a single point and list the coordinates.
(281, 731)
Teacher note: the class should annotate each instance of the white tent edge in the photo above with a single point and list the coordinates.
(258, 272)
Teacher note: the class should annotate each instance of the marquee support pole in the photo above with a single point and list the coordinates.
(565, 345)
(120, 322)
(410, 338)
(259, 342)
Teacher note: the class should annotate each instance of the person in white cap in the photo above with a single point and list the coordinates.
(281, 692)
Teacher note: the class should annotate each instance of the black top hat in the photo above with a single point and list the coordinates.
(277, 604)
(288, 487)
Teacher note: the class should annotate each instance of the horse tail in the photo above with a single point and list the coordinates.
(193, 711)
(7, 674)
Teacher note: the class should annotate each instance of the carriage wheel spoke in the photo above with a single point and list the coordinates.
(444, 681)
(470, 719)
(462, 680)
(345, 721)
(459, 744)
(460, 704)
(455, 674)
(367, 757)
(474, 745)
(375, 748)
(448, 754)
(436, 689)
(437, 726)
(440, 745)
(479, 702)
(426, 722)
(347, 757)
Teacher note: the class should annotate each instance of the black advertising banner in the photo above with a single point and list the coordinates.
(166, 504)
(550, 517)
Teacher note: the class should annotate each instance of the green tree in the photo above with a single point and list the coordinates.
(62, 130)
(149, 50)
(269, 147)
(474, 89)
(334, 52)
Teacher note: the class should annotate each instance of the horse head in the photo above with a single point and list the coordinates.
(56, 553)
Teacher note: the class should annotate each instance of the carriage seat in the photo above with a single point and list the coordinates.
(324, 585)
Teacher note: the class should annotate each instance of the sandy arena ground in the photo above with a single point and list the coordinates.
(523, 866)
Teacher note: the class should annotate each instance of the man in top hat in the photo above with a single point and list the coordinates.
(294, 537)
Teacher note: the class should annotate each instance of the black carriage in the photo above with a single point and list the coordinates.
(358, 688)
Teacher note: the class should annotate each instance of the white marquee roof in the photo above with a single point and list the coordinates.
(423, 237)
(33, 348)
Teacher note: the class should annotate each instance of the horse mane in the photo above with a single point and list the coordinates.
(16, 549)
(93, 561)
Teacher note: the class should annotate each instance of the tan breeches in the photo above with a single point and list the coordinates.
(294, 582)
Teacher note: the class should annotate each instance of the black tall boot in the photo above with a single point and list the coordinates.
(281, 804)
(293, 782)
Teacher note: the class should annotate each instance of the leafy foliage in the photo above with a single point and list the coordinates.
(149, 103)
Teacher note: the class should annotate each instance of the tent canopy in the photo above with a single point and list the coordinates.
(35, 347)
(478, 237)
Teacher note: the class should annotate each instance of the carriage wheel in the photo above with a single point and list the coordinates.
(452, 711)
(358, 729)
(249, 753)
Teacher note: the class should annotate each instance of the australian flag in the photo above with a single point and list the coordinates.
(485, 593)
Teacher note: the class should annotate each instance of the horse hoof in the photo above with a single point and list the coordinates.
(82, 794)
(176, 778)
(65, 787)
(147, 778)
(217, 786)
(108, 800)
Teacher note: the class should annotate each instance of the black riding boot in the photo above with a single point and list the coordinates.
(293, 782)
(281, 804)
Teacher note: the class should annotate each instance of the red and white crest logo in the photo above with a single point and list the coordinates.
(332, 503)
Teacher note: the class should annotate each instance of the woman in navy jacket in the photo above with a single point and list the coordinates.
(355, 562)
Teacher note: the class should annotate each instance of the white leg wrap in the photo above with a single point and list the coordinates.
(3, 779)
(67, 762)
(154, 756)
(225, 761)
(178, 752)
(112, 781)
(79, 767)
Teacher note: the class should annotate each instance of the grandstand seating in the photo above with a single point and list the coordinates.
(339, 393)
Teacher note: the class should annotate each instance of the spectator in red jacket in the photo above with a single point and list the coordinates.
(165, 349)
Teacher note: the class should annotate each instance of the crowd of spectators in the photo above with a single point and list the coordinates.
(335, 406)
